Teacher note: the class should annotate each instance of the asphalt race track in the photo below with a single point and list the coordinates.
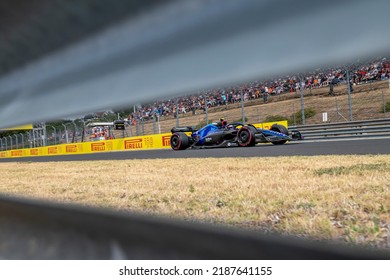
(357, 147)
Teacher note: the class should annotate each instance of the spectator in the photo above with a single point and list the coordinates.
(374, 70)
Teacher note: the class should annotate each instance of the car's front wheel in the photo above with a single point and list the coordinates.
(281, 129)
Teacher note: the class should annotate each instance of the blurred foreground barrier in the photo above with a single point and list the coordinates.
(33, 229)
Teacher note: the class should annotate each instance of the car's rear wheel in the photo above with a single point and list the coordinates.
(179, 141)
(246, 136)
(281, 129)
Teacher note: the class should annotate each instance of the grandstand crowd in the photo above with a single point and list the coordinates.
(372, 71)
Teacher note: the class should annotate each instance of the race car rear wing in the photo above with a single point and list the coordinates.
(183, 129)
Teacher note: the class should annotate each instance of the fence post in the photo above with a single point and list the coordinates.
(206, 108)
(10, 138)
(55, 134)
(384, 104)
(16, 141)
(349, 97)
(159, 126)
(226, 99)
(75, 132)
(131, 129)
(177, 113)
(242, 108)
(33, 138)
(337, 110)
(44, 132)
(59, 136)
(21, 134)
(154, 124)
(302, 104)
(66, 134)
(294, 115)
(143, 126)
(84, 137)
(29, 140)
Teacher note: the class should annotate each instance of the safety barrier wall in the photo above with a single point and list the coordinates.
(156, 141)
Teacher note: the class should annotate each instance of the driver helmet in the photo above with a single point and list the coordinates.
(223, 122)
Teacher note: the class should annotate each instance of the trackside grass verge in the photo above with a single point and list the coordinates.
(324, 197)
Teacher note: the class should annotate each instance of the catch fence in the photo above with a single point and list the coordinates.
(368, 101)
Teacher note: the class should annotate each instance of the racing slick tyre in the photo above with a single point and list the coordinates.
(246, 136)
(179, 141)
(281, 129)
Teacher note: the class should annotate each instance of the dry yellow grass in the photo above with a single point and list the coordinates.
(324, 197)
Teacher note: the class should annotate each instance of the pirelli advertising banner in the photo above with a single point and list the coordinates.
(156, 141)
(159, 141)
(267, 125)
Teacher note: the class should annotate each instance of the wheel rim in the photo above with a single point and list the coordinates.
(175, 141)
(244, 136)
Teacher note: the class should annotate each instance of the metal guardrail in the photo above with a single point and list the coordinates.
(345, 130)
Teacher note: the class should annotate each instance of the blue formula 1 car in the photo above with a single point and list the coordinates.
(221, 134)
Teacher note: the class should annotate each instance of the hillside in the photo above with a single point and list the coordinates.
(367, 103)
